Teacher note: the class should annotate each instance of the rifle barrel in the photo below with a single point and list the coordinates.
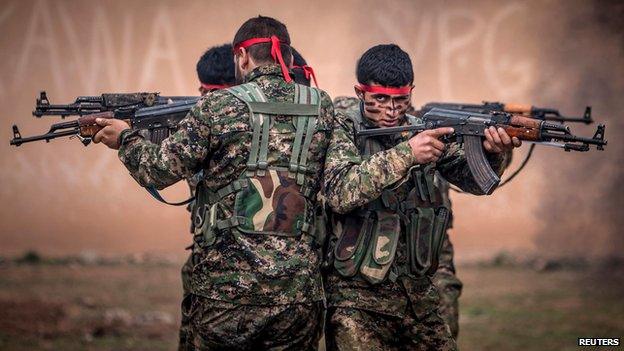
(46, 137)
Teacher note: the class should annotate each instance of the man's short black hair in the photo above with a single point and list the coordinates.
(299, 75)
(216, 66)
(386, 65)
(298, 60)
(264, 27)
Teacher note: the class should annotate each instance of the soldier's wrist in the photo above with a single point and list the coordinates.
(405, 150)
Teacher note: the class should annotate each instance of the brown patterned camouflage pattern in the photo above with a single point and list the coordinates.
(273, 203)
(215, 137)
(212, 325)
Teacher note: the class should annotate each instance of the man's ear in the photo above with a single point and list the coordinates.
(358, 92)
(242, 58)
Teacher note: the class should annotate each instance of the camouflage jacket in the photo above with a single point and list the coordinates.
(351, 182)
(216, 137)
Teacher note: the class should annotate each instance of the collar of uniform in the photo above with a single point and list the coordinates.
(266, 70)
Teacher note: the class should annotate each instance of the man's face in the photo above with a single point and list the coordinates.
(384, 110)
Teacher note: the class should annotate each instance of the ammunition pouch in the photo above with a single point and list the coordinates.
(428, 218)
(367, 245)
(367, 239)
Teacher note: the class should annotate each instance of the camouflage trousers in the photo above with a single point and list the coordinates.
(449, 287)
(357, 329)
(215, 325)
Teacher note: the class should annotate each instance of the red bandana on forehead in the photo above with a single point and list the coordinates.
(385, 90)
(308, 72)
(276, 53)
(215, 86)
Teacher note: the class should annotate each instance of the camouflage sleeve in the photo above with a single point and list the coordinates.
(178, 156)
(349, 182)
(453, 166)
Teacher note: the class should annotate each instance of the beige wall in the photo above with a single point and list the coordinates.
(62, 197)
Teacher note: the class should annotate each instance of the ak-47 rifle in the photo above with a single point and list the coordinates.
(124, 104)
(469, 129)
(159, 121)
(543, 113)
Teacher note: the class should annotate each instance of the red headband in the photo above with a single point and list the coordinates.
(308, 71)
(215, 86)
(385, 90)
(276, 53)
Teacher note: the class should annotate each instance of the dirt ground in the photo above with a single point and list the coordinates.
(135, 307)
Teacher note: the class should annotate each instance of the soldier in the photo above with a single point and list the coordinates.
(303, 74)
(255, 281)
(388, 222)
(445, 279)
(215, 69)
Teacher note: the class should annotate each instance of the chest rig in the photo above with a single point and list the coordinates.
(272, 196)
(369, 236)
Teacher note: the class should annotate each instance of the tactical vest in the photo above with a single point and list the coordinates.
(269, 199)
(368, 237)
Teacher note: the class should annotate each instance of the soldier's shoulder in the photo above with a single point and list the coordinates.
(221, 107)
(343, 122)
(346, 104)
(325, 98)
(217, 98)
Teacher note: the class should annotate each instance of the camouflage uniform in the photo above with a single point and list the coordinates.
(445, 280)
(376, 292)
(253, 274)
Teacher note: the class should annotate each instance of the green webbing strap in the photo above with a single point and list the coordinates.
(315, 99)
(231, 188)
(266, 126)
(284, 108)
(233, 221)
(250, 93)
(301, 97)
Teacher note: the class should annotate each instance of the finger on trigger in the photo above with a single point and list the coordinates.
(438, 132)
(437, 144)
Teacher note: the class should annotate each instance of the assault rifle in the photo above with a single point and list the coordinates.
(469, 129)
(543, 113)
(159, 121)
(124, 104)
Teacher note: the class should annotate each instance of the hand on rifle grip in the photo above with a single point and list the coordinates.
(425, 145)
(109, 134)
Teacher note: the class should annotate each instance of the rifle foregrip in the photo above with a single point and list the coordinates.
(522, 133)
(484, 176)
(521, 121)
(88, 127)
